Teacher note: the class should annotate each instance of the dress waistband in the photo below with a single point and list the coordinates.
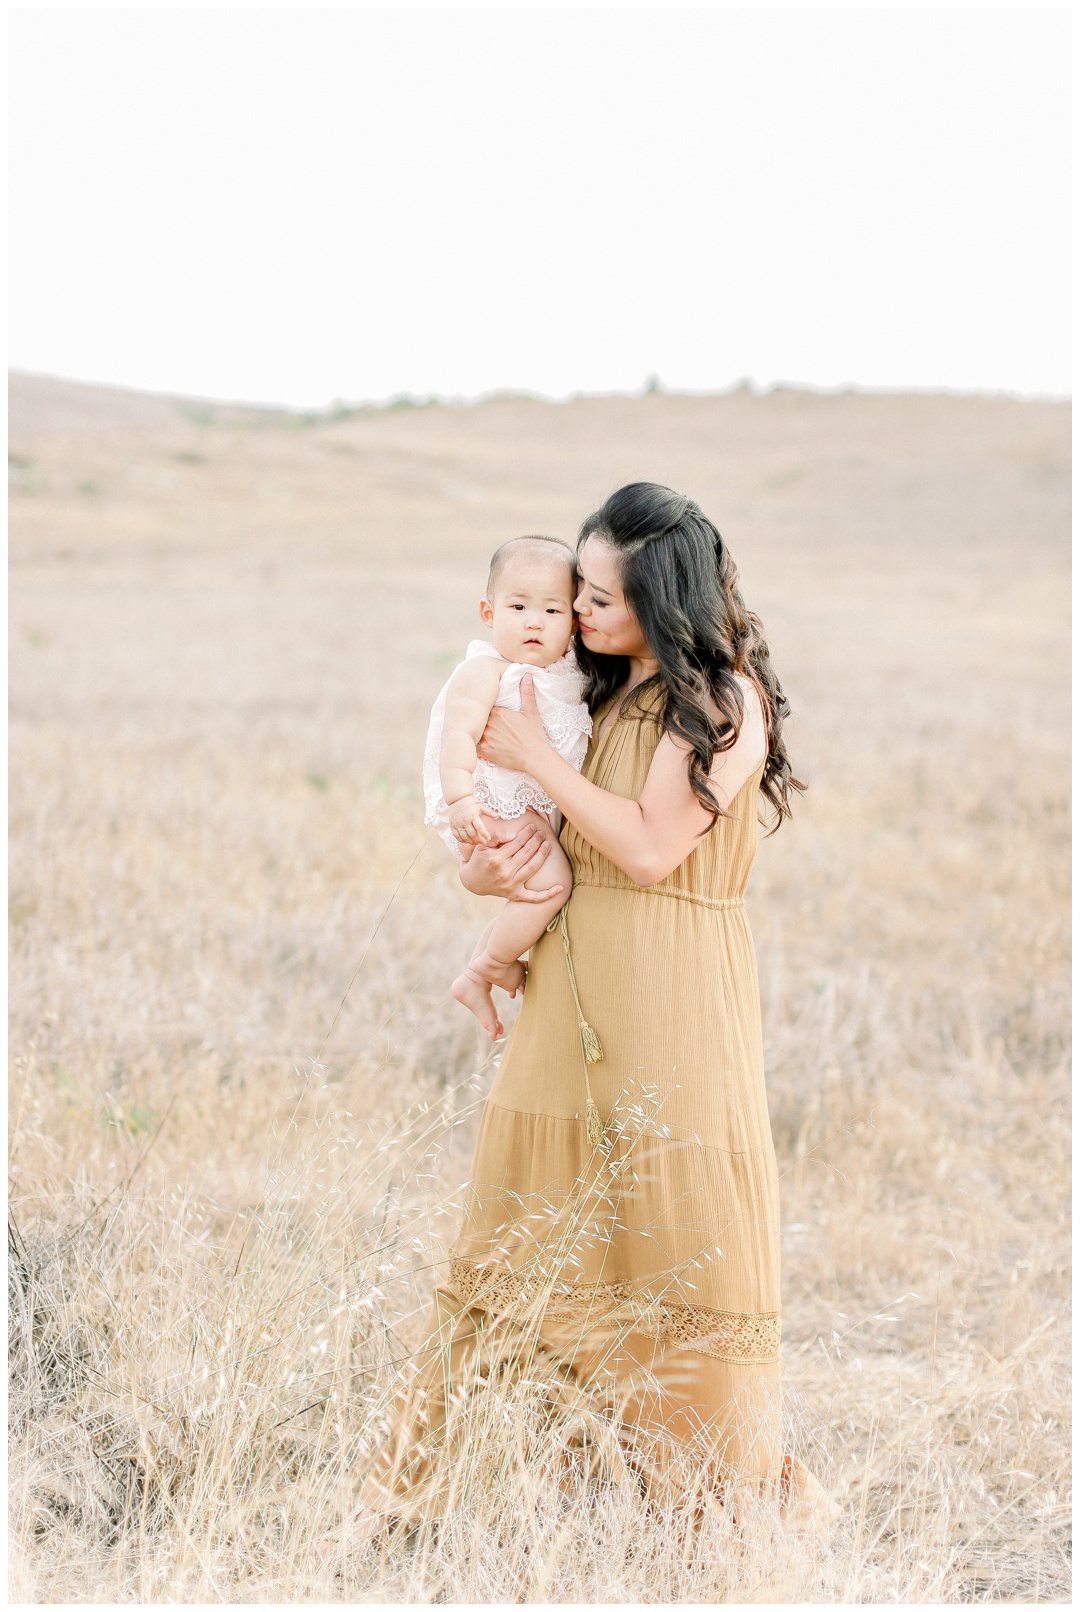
(728, 903)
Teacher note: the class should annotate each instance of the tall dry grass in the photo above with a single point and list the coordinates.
(231, 1188)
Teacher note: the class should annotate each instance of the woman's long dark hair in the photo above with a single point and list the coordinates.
(681, 583)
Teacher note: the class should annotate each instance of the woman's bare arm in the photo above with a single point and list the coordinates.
(646, 838)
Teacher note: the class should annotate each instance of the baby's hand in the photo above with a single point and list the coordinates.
(467, 822)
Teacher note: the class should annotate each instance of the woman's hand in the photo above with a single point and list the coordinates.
(510, 737)
(502, 870)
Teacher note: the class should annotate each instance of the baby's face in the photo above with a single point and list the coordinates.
(531, 611)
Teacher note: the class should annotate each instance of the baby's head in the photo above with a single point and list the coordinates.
(529, 604)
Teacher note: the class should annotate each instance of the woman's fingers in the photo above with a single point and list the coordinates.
(528, 696)
(503, 870)
(533, 863)
(538, 895)
(529, 849)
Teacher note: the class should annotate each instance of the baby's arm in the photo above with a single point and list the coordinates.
(473, 691)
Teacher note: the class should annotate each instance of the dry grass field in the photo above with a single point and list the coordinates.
(242, 1101)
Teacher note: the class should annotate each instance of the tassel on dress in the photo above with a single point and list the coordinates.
(590, 1042)
(592, 1050)
(594, 1127)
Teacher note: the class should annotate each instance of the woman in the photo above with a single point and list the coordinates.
(634, 1260)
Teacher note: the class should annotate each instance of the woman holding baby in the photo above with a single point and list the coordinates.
(631, 1259)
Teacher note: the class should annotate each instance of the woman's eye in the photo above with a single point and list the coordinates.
(599, 603)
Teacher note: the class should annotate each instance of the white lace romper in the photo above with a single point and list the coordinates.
(509, 794)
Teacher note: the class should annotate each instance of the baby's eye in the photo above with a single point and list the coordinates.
(517, 607)
(554, 610)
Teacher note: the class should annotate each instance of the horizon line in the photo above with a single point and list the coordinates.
(340, 407)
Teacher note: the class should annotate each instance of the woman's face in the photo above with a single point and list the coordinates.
(608, 626)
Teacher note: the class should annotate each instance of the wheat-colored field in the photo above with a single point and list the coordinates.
(242, 1101)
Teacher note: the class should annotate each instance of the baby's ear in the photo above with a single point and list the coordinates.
(486, 612)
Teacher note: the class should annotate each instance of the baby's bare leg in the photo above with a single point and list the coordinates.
(521, 923)
(482, 940)
(496, 959)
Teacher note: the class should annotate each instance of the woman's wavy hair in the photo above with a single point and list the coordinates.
(682, 585)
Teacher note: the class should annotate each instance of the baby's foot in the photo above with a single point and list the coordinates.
(475, 994)
(509, 977)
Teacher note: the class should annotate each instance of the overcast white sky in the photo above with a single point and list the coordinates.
(296, 206)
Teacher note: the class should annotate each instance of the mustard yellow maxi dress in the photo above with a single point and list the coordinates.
(644, 1271)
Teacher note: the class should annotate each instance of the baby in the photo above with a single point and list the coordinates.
(529, 607)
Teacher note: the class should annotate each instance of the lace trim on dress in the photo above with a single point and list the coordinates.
(561, 729)
(515, 802)
(738, 1339)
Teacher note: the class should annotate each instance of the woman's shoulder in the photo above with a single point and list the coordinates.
(753, 705)
(735, 766)
(649, 699)
(753, 710)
